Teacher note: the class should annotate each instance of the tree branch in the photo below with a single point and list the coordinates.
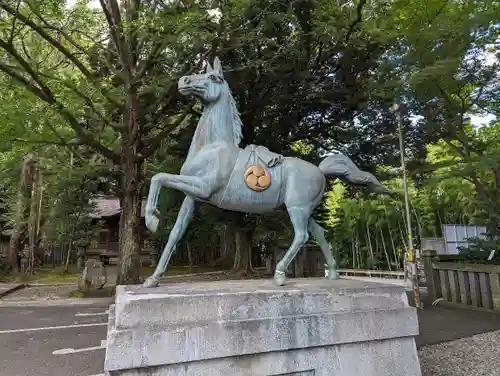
(40, 31)
(109, 19)
(42, 91)
(359, 18)
(149, 61)
(57, 45)
(14, 20)
(26, 83)
(154, 142)
(114, 18)
(438, 13)
(52, 27)
(132, 16)
(167, 95)
(69, 144)
(88, 101)
(42, 142)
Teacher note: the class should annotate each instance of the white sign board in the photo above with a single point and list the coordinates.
(435, 244)
(456, 236)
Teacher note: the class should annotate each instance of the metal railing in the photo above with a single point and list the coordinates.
(372, 273)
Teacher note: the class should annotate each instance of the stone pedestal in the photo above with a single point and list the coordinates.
(310, 327)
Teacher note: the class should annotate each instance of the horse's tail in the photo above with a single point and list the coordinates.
(340, 166)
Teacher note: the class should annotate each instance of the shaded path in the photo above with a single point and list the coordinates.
(441, 324)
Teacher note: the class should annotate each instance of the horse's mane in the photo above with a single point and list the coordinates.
(236, 119)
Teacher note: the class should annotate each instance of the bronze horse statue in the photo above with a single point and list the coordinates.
(253, 180)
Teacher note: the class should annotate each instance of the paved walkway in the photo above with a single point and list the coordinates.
(440, 324)
(63, 338)
(390, 281)
(67, 337)
(50, 340)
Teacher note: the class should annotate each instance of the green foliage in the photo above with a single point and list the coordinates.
(5, 267)
(70, 219)
(479, 250)
(309, 77)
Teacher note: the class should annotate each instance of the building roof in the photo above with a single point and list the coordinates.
(105, 207)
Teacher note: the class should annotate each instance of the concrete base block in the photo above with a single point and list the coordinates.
(310, 327)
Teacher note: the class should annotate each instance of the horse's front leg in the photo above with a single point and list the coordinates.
(194, 186)
(181, 224)
(151, 211)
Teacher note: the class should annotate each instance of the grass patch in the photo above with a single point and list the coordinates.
(57, 275)
(54, 277)
(76, 294)
(47, 275)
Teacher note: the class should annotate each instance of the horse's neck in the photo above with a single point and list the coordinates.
(215, 125)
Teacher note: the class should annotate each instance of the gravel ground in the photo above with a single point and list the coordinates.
(472, 356)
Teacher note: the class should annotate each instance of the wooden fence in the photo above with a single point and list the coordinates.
(461, 284)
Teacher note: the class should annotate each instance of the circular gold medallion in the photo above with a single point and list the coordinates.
(257, 178)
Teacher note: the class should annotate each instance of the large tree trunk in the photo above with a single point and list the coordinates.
(190, 256)
(243, 252)
(68, 256)
(299, 264)
(34, 220)
(22, 211)
(129, 267)
(228, 247)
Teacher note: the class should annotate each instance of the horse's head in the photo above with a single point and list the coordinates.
(206, 87)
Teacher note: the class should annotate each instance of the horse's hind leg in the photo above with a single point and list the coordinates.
(318, 233)
(299, 218)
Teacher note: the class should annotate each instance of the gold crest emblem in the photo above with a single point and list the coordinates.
(257, 178)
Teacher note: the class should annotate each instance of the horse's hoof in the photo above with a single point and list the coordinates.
(279, 278)
(332, 275)
(151, 282)
(152, 222)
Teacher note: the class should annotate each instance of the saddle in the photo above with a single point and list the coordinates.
(269, 158)
(256, 180)
(260, 158)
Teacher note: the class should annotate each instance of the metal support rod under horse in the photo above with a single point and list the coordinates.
(252, 180)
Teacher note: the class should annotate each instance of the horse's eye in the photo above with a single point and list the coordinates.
(216, 79)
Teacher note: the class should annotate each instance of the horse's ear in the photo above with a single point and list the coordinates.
(209, 67)
(218, 66)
